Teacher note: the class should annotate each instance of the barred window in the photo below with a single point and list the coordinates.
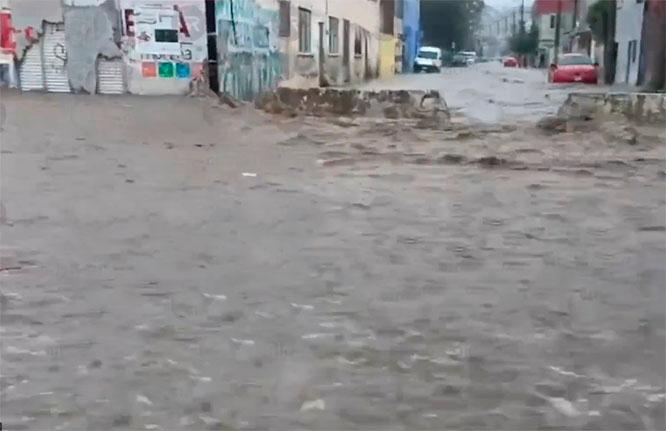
(304, 30)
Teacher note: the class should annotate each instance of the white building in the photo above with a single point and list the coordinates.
(629, 24)
(498, 27)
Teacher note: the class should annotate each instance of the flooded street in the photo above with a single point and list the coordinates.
(170, 264)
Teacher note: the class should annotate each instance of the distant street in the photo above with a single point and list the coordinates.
(170, 263)
(489, 92)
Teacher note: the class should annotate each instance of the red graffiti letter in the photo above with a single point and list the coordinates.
(183, 23)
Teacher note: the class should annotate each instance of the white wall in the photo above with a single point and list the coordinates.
(303, 70)
(545, 31)
(629, 21)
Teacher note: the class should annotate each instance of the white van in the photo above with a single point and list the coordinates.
(429, 59)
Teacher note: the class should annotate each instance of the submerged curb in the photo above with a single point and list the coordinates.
(389, 104)
(643, 108)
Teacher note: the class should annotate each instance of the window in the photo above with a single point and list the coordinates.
(285, 19)
(633, 45)
(333, 28)
(574, 60)
(432, 55)
(304, 30)
(166, 36)
(358, 47)
(552, 21)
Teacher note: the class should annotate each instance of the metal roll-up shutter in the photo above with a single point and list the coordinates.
(30, 74)
(110, 77)
(55, 59)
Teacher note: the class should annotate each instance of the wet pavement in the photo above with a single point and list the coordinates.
(168, 264)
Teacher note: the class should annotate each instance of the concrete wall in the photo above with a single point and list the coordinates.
(92, 28)
(629, 22)
(152, 69)
(642, 108)
(31, 14)
(427, 106)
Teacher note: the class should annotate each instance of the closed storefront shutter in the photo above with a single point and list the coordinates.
(55, 58)
(110, 76)
(30, 75)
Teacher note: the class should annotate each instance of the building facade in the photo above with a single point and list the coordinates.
(242, 47)
(545, 16)
(628, 36)
(332, 42)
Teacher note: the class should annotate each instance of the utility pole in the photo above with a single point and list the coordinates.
(558, 20)
(513, 23)
(522, 16)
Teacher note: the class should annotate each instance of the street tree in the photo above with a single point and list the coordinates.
(525, 43)
(448, 22)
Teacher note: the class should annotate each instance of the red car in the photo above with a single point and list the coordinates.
(574, 68)
(510, 62)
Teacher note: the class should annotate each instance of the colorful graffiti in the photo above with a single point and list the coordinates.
(249, 60)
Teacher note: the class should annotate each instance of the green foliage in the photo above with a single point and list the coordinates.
(525, 43)
(450, 21)
(596, 14)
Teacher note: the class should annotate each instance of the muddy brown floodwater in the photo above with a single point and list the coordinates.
(167, 264)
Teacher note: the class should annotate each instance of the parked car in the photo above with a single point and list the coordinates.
(510, 62)
(429, 59)
(470, 57)
(459, 60)
(574, 68)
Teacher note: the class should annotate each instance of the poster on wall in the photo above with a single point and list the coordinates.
(173, 30)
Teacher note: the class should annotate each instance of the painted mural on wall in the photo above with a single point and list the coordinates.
(249, 60)
(166, 39)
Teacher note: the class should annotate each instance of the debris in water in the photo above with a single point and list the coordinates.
(318, 404)
(564, 406)
(142, 399)
(241, 342)
(216, 297)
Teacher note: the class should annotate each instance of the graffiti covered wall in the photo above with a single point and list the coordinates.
(248, 54)
(164, 44)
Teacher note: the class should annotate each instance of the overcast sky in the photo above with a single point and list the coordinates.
(500, 4)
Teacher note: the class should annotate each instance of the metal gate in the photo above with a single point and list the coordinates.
(110, 77)
(31, 75)
(55, 59)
